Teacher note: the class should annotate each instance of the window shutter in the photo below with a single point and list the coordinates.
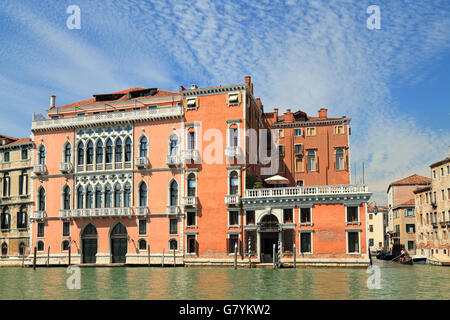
(228, 99)
(21, 184)
(197, 102)
(317, 161)
(185, 103)
(239, 98)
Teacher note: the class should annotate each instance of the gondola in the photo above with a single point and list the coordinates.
(406, 260)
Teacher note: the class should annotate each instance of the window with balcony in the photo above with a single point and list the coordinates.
(234, 183)
(41, 155)
(250, 217)
(127, 196)
(142, 226)
(192, 185)
(143, 195)
(66, 198)
(119, 150)
(117, 196)
(108, 196)
(90, 153)
(340, 159)
(191, 215)
(173, 146)
(68, 153)
(98, 196)
(80, 197)
(234, 137)
(174, 193)
(22, 218)
(299, 183)
(109, 151)
(191, 140)
(80, 151)
(5, 222)
(41, 199)
(143, 147)
(89, 197)
(353, 242)
(233, 218)
(66, 229)
(173, 229)
(128, 150)
(99, 152)
(305, 242)
(311, 160)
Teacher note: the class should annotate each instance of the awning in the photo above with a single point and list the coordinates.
(276, 180)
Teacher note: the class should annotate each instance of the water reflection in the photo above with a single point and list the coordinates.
(397, 282)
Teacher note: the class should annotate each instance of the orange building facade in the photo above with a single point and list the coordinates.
(146, 176)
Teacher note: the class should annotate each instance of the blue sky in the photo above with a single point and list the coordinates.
(394, 82)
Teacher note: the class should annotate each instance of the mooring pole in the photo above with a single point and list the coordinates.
(163, 258)
(370, 257)
(70, 245)
(235, 256)
(23, 258)
(249, 253)
(148, 253)
(273, 257)
(174, 259)
(48, 256)
(34, 259)
(279, 255)
(295, 257)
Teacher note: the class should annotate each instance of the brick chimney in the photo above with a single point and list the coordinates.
(275, 114)
(248, 81)
(52, 101)
(288, 116)
(323, 113)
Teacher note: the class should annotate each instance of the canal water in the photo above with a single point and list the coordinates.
(397, 282)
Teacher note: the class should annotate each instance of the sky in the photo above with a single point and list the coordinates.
(394, 82)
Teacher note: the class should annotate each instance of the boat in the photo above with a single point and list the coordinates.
(384, 256)
(419, 259)
(406, 260)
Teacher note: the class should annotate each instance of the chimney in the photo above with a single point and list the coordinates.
(275, 114)
(289, 117)
(288, 111)
(258, 102)
(323, 113)
(248, 80)
(194, 86)
(182, 88)
(52, 101)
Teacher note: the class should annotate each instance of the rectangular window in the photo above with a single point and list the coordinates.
(191, 244)
(305, 215)
(310, 132)
(298, 149)
(338, 129)
(191, 140)
(371, 243)
(442, 171)
(299, 165)
(409, 212)
(443, 194)
(66, 228)
(191, 103)
(371, 228)
(281, 150)
(233, 218)
(352, 214)
(298, 132)
(305, 242)
(142, 226)
(40, 229)
(353, 242)
(288, 216)
(6, 156)
(339, 159)
(24, 154)
(434, 173)
(410, 228)
(411, 245)
(370, 216)
(173, 226)
(299, 183)
(234, 137)
(250, 217)
(233, 241)
(281, 133)
(311, 160)
(191, 218)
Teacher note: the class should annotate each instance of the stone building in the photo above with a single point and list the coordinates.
(15, 199)
(376, 228)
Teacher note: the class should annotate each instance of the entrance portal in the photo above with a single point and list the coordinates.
(89, 244)
(119, 243)
(268, 229)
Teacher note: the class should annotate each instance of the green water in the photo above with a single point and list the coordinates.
(397, 282)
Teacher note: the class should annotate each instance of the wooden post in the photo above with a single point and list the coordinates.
(249, 253)
(48, 256)
(273, 257)
(295, 257)
(70, 245)
(235, 256)
(23, 258)
(370, 257)
(148, 253)
(174, 259)
(34, 259)
(163, 258)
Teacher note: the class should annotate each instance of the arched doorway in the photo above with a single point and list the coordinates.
(89, 243)
(119, 242)
(269, 232)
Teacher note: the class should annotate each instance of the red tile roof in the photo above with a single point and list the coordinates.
(409, 203)
(411, 180)
(20, 141)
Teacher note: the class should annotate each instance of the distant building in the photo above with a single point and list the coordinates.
(433, 213)
(400, 195)
(376, 228)
(15, 199)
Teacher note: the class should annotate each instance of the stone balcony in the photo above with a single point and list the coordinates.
(232, 199)
(40, 123)
(189, 201)
(142, 211)
(173, 160)
(66, 167)
(39, 215)
(233, 152)
(142, 162)
(39, 169)
(189, 155)
(173, 210)
(96, 213)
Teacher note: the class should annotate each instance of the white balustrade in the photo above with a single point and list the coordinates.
(305, 191)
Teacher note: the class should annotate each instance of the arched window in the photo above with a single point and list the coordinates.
(98, 196)
(40, 246)
(22, 218)
(339, 159)
(41, 155)
(119, 150)
(192, 185)
(128, 150)
(22, 249)
(68, 153)
(311, 160)
(143, 145)
(66, 198)
(108, 196)
(127, 196)
(90, 153)
(173, 244)
(5, 219)
(142, 244)
(4, 249)
(80, 160)
(89, 197)
(173, 145)
(41, 199)
(119, 230)
(80, 197)
(109, 151)
(143, 194)
(65, 245)
(90, 231)
(99, 152)
(117, 192)
(174, 193)
(234, 183)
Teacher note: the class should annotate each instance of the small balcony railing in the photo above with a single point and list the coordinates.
(100, 212)
(64, 213)
(189, 201)
(233, 151)
(173, 160)
(39, 169)
(142, 162)
(173, 210)
(65, 167)
(232, 199)
(39, 215)
(191, 155)
(142, 211)
(307, 191)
